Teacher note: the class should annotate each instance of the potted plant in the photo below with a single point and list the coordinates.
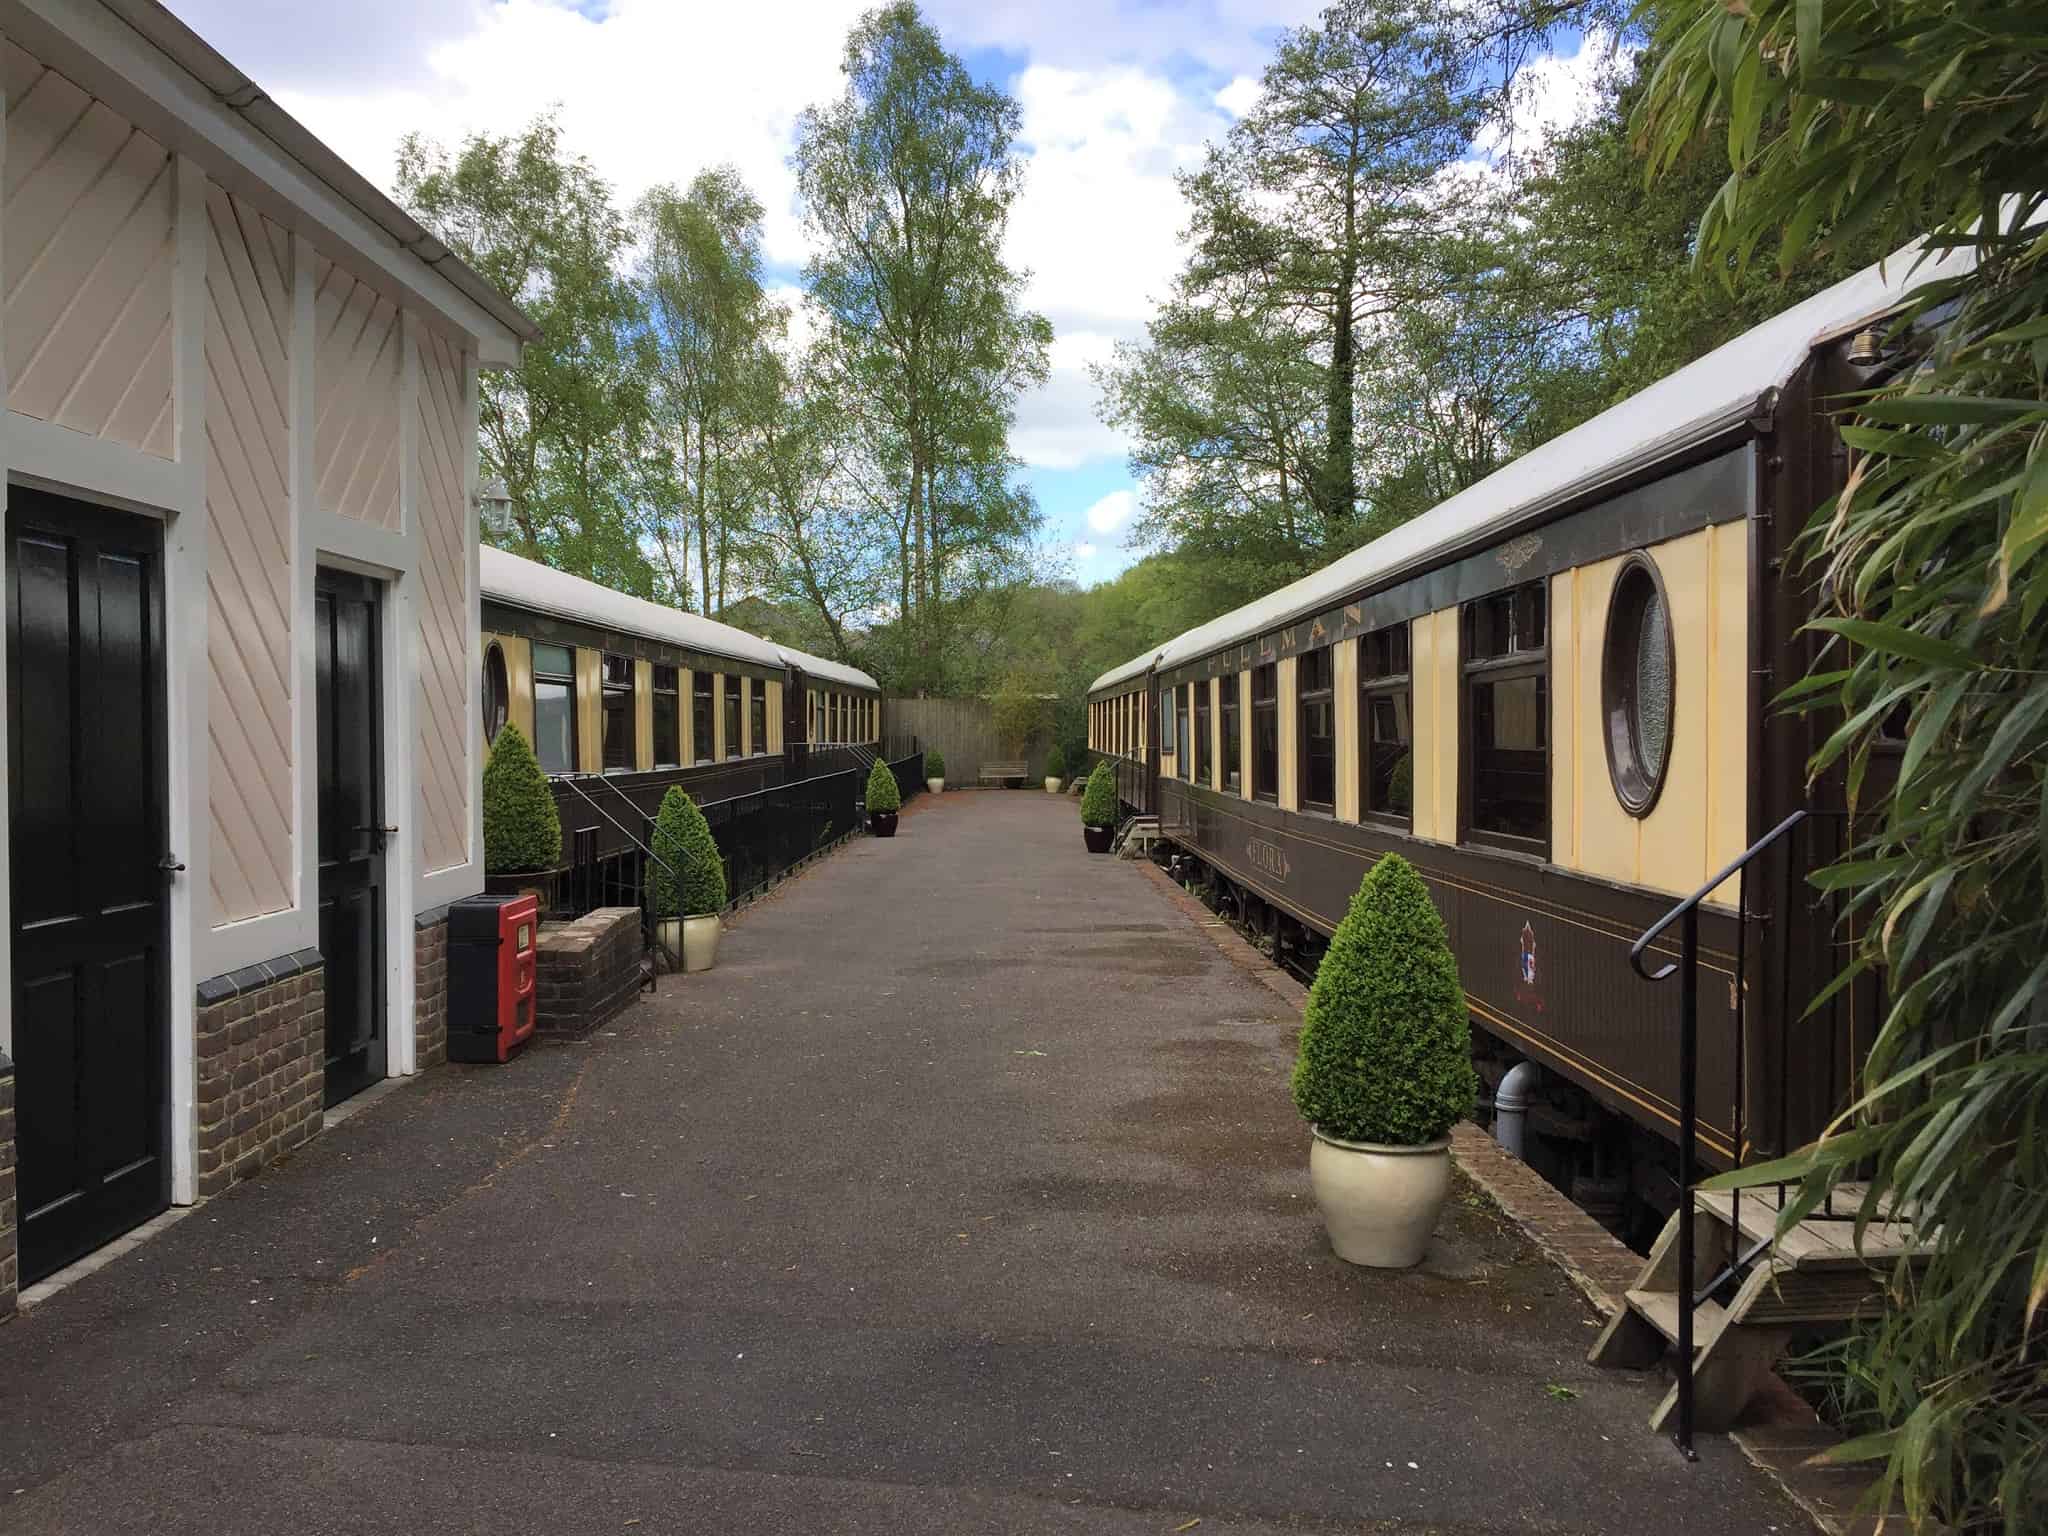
(883, 800)
(1098, 809)
(935, 770)
(1055, 769)
(1384, 1071)
(686, 902)
(522, 831)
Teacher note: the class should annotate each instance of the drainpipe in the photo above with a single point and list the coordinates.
(1511, 1106)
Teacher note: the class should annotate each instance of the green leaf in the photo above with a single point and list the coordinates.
(1892, 640)
(1807, 18)
(1947, 410)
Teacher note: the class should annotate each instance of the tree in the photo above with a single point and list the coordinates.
(1323, 206)
(821, 534)
(907, 181)
(1897, 120)
(712, 327)
(1021, 710)
(1221, 403)
(564, 429)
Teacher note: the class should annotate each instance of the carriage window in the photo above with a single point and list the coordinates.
(1318, 729)
(497, 692)
(701, 740)
(1507, 712)
(731, 701)
(1386, 726)
(1636, 685)
(668, 747)
(1233, 770)
(554, 707)
(618, 713)
(757, 716)
(1183, 748)
(1169, 731)
(1202, 741)
(1266, 732)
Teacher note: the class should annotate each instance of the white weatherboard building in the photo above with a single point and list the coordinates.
(242, 737)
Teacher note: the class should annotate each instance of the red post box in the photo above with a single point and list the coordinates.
(491, 946)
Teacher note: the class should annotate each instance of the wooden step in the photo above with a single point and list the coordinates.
(1818, 1240)
(1660, 1310)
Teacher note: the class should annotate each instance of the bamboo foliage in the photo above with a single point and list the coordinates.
(1906, 117)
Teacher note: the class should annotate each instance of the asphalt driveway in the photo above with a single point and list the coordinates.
(963, 1196)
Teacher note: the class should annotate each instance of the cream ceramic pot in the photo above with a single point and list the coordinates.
(700, 942)
(936, 786)
(1052, 785)
(1380, 1204)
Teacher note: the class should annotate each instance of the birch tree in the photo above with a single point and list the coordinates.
(908, 179)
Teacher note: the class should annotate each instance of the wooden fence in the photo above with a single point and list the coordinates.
(963, 730)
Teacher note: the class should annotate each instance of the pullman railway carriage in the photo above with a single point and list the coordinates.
(622, 698)
(1553, 694)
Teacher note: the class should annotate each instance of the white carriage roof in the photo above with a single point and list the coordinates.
(507, 578)
(1698, 402)
(1135, 667)
(830, 671)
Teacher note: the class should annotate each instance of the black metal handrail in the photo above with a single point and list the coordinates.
(1686, 967)
(650, 927)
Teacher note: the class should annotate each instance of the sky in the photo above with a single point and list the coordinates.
(1116, 96)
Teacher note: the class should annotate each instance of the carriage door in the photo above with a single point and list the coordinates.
(89, 871)
(352, 830)
(796, 725)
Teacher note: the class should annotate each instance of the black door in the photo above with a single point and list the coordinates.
(85, 737)
(352, 831)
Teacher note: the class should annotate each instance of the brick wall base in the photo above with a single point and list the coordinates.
(262, 1052)
(430, 987)
(10, 1272)
(587, 972)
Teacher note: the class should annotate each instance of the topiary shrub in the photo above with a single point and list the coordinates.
(882, 792)
(935, 764)
(1098, 801)
(521, 828)
(1055, 763)
(1386, 1047)
(683, 841)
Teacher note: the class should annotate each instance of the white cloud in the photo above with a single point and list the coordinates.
(1555, 93)
(1113, 511)
(1085, 551)
(1240, 96)
(651, 91)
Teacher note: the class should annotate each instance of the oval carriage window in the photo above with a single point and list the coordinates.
(1638, 683)
(497, 691)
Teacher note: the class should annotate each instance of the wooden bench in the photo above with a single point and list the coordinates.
(998, 772)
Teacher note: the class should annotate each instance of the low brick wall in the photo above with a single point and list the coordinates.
(262, 1063)
(586, 972)
(430, 987)
(10, 1271)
